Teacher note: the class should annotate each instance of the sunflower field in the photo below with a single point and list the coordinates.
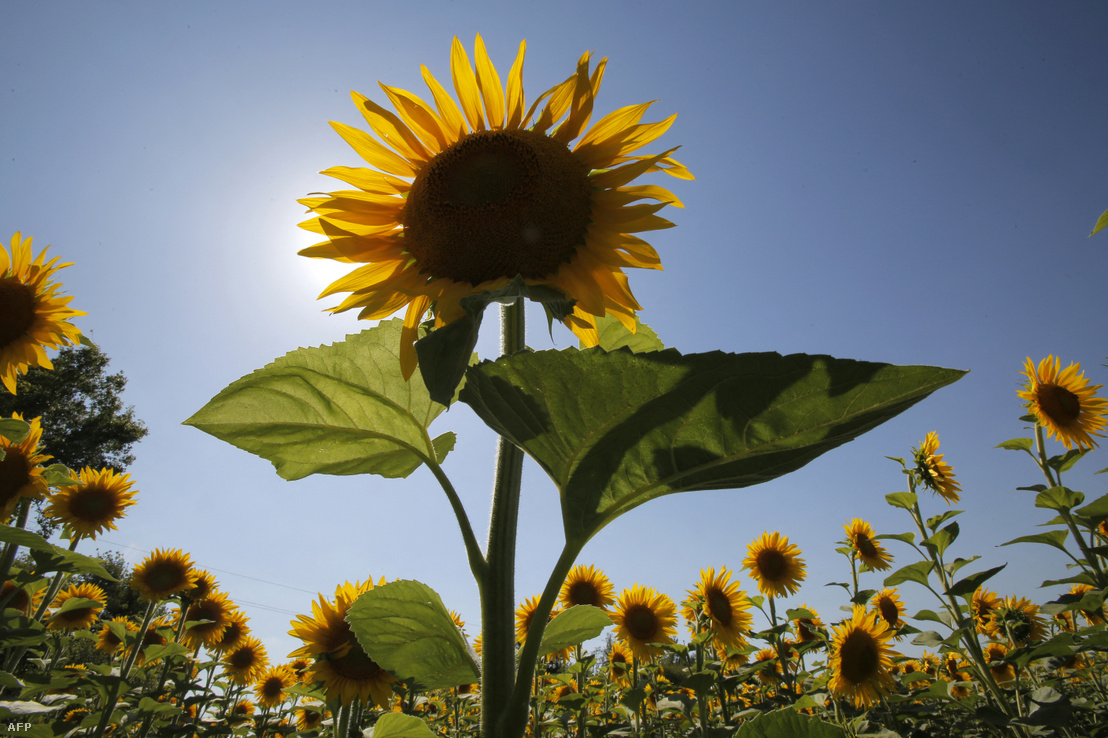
(486, 200)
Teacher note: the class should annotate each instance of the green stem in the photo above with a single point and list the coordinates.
(8, 557)
(477, 563)
(113, 694)
(498, 671)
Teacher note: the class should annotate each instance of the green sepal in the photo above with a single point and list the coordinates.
(615, 429)
(445, 353)
(405, 628)
(343, 408)
(573, 626)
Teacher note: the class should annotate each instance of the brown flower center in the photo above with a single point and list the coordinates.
(1059, 404)
(93, 505)
(583, 593)
(15, 473)
(17, 310)
(772, 565)
(890, 613)
(719, 607)
(859, 657)
(497, 204)
(356, 665)
(642, 624)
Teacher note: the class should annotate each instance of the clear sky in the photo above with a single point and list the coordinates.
(902, 182)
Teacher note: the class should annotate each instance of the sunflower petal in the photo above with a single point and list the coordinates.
(391, 129)
(488, 81)
(369, 180)
(420, 118)
(374, 152)
(515, 90)
(454, 124)
(465, 84)
(408, 358)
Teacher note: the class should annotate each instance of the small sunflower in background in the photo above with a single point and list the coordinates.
(717, 604)
(982, 604)
(1092, 617)
(206, 619)
(21, 469)
(460, 200)
(1064, 403)
(1002, 670)
(619, 663)
(246, 662)
(587, 585)
(860, 659)
(310, 717)
(79, 617)
(643, 617)
(933, 472)
(1018, 619)
(92, 506)
(888, 605)
(233, 634)
(775, 565)
(33, 316)
(107, 641)
(860, 537)
(163, 573)
(270, 688)
(807, 629)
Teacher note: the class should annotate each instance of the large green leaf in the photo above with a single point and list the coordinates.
(49, 557)
(573, 626)
(405, 628)
(615, 429)
(338, 409)
(788, 724)
(398, 725)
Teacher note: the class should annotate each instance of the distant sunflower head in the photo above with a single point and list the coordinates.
(775, 564)
(108, 641)
(717, 604)
(933, 472)
(206, 619)
(21, 469)
(234, 632)
(587, 585)
(15, 597)
(860, 659)
(204, 585)
(462, 199)
(1002, 670)
(860, 537)
(982, 605)
(245, 663)
(341, 665)
(888, 606)
(33, 315)
(807, 628)
(619, 663)
(1064, 403)
(1093, 615)
(1018, 619)
(643, 617)
(310, 718)
(163, 573)
(94, 504)
(270, 688)
(771, 670)
(77, 616)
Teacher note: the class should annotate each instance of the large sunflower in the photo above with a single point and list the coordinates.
(860, 659)
(642, 618)
(21, 469)
(775, 564)
(76, 618)
(717, 604)
(462, 200)
(587, 585)
(935, 473)
(1064, 403)
(33, 316)
(860, 537)
(92, 506)
(163, 573)
(345, 670)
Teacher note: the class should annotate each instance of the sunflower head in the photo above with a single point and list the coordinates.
(270, 687)
(933, 472)
(995, 656)
(860, 659)
(33, 316)
(234, 632)
(163, 573)
(109, 642)
(94, 504)
(1093, 616)
(206, 620)
(619, 663)
(717, 604)
(1064, 403)
(21, 469)
(861, 539)
(465, 197)
(775, 564)
(245, 663)
(888, 606)
(1018, 619)
(807, 628)
(643, 617)
(77, 617)
(587, 585)
(982, 605)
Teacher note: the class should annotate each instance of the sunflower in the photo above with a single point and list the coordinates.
(935, 473)
(107, 641)
(270, 687)
(888, 605)
(245, 663)
(982, 605)
(1092, 617)
(21, 468)
(233, 634)
(860, 659)
(1002, 670)
(619, 663)
(644, 617)
(770, 674)
(860, 537)
(77, 618)
(341, 665)
(92, 506)
(732, 658)
(163, 573)
(587, 585)
(310, 718)
(1018, 619)
(719, 605)
(33, 316)
(152, 637)
(807, 629)
(242, 710)
(206, 620)
(1064, 403)
(775, 564)
(462, 200)
(204, 585)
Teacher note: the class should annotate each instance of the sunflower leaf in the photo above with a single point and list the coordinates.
(903, 500)
(1059, 498)
(614, 335)
(1098, 508)
(14, 430)
(1054, 538)
(405, 628)
(1016, 444)
(50, 558)
(615, 429)
(942, 539)
(969, 585)
(917, 572)
(399, 725)
(573, 626)
(338, 409)
(787, 724)
(1101, 222)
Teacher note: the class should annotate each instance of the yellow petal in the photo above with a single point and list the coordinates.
(408, 358)
(583, 326)
(420, 118)
(621, 175)
(465, 84)
(369, 180)
(454, 124)
(515, 90)
(369, 276)
(489, 83)
(391, 129)
(373, 152)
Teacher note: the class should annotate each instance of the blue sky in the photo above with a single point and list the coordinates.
(902, 182)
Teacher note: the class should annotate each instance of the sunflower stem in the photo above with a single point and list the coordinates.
(477, 563)
(498, 673)
(8, 557)
(112, 696)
